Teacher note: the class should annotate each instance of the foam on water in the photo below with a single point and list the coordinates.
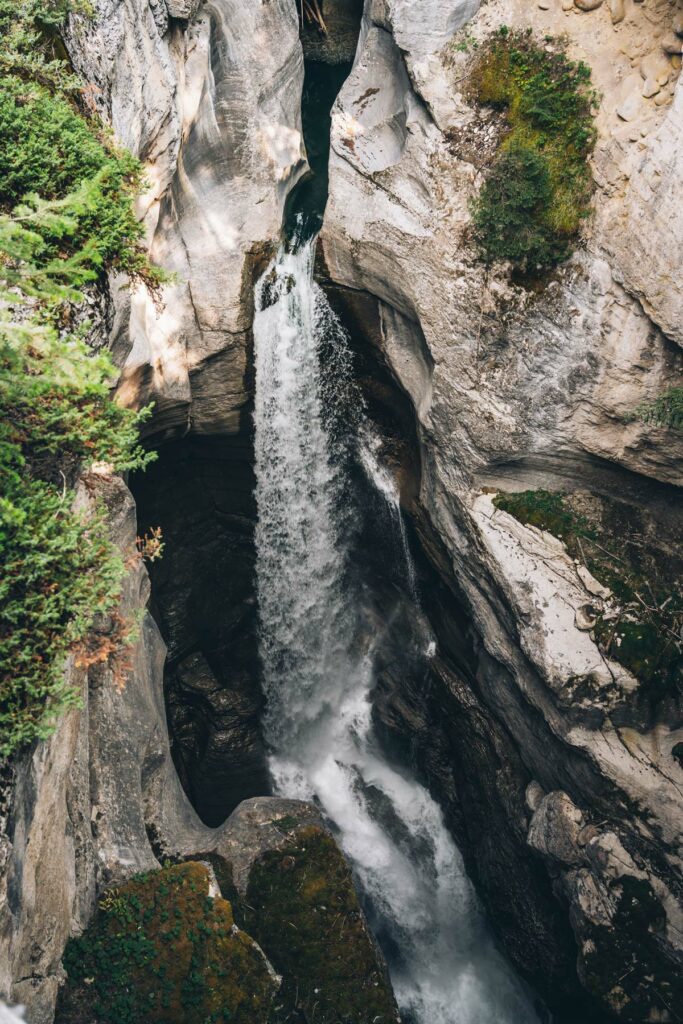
(318, 670)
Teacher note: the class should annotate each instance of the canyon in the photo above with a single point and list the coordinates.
(553, 773)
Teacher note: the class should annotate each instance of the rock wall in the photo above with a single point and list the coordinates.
(212, 105)
(532, 389)
(524, 389)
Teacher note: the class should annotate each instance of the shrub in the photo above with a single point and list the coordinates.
(60, 571)
(546, 100)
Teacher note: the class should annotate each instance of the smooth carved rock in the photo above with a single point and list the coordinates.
(617, 11)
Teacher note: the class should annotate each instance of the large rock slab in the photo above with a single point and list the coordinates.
(212, 107)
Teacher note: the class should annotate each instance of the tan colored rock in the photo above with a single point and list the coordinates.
(617, 11)
(629, 108)
(592, 585)
(650, 88)
(678, 24)
(655, 67)
(588, 5)
(672, 43)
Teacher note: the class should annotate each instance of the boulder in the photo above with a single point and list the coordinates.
(555, 827)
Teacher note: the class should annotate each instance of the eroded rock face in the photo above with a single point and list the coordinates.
(212, 105)
(535, 384)
(200, 493)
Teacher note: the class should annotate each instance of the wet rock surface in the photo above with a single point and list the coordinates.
(200, 492)
(545, 378)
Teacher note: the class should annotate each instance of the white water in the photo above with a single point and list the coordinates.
(318, 672)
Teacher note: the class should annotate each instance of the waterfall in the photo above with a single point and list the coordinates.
(317, 657)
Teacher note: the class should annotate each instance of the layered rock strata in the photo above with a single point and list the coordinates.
(528, 386)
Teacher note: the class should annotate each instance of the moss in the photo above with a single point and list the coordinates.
(531, 207)
(302, 908)
(161, 951)
(641, 627)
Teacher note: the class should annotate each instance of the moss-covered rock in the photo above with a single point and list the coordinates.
(301, 906)
(161, 950)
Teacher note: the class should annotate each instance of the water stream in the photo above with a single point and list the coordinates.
(317, 643)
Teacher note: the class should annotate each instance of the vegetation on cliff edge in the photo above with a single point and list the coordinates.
(66, 216)
(160, 950)
(538, 190)
(641, 625)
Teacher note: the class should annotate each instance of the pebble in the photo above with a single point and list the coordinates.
(650, 88)
(661, 98)
(567, 5)
(544, 4)
(588, 5)
(617, 11)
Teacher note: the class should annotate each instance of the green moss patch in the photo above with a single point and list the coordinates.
(302, 908)
(665, 411)
(538, 191)
(640, 626)
(161, 951)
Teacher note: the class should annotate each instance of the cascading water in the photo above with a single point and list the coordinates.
(317, 653)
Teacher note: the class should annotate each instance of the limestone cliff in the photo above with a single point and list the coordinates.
(560, 782)
(515, 388)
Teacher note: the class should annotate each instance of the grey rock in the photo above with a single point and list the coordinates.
(555, 829)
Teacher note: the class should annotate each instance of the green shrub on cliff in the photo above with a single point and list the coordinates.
(538, 191)
(66, 215)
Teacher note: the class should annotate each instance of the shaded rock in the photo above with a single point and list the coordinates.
(534, 795)
(588, 5)
(617, 11)
(555, 828)
(672, 43)
(183, 9)
(200, 492)
(301, 905)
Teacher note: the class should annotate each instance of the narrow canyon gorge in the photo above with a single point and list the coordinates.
(398, 736)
